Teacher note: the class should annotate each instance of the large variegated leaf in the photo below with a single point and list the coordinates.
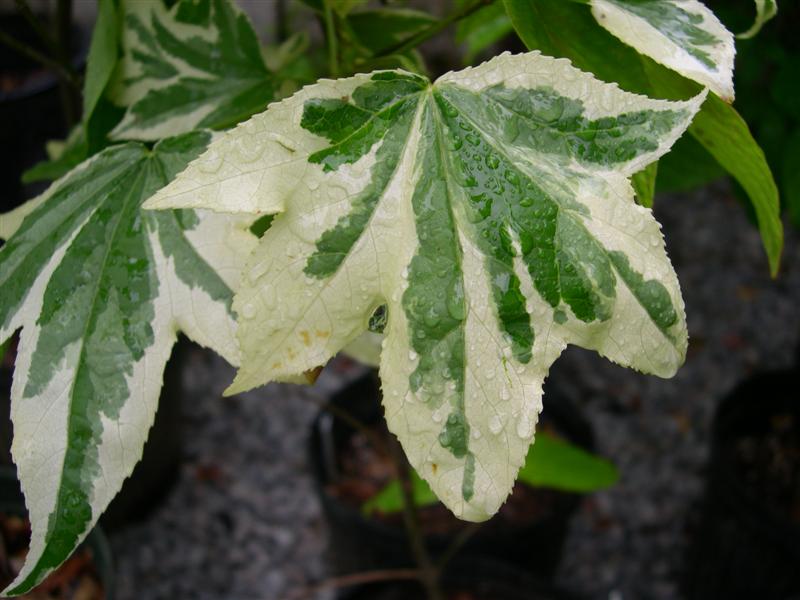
(198, 64)
(100, 290)
(683, 35)
(490, 212)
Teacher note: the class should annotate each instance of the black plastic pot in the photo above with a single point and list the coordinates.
(483, 579)
(12, 502)
(359, 543)
(743, 546)
(154, 476)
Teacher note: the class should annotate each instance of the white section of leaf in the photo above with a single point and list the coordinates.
(281, 338)
(256, 166)
(366, 348)
(10, 221)
(192, 310)
(650, 41)
(123, 437)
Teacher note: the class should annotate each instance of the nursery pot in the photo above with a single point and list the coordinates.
(93, 554)
(747, 542)
(154, 475)
(529, 530)
(467, 579)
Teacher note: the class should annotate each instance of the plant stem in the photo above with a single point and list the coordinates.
(440, 25)
(333, 42)
(429, 574)
(462, 538)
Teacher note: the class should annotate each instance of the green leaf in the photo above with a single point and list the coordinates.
(103, 55)
(567, 29)
(726, 137)
(688, 165)
(490, 211)
(765, 10)
(380, 29)
(791, 177)
(644, 184)
(683, 35)
(562, 28)
(64, 156)
(721, 131)
(551, 463)
(482, 28)
(555, 463)
(100, 290)
(196, 65)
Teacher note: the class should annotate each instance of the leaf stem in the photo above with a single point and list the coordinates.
(440, 25)
(333, 42)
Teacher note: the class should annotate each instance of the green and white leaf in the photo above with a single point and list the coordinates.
(765, 11)
(100, 290)
(491, 212)
(196, 65)
(683, 35)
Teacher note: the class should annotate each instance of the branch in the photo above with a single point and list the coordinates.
(357, 579)
(427, 33)
(429, 574)
(38, 57)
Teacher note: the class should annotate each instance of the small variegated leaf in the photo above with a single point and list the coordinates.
(683, 35)
(100, 290)
(765, 10)
(196, 65)
(492, 214)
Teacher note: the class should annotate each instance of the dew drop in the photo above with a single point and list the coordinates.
(495, 425)
(524, 427)
(492, 161)
(412, 356)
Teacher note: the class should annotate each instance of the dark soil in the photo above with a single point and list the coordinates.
(76, 579)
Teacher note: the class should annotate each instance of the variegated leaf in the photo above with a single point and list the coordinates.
(683, 35)
(196, 65)
(100, 290)
(492, 214)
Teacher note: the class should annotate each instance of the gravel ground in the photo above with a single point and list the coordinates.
(243, 523)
